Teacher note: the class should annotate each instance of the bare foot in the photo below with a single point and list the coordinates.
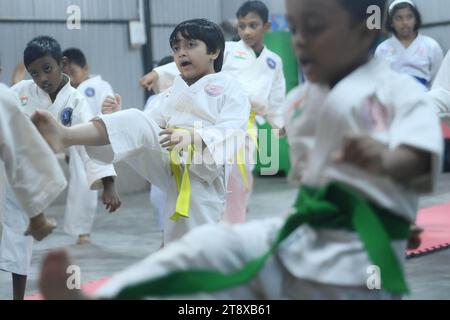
(40, 227)
(83, 239)
(53, 278)
(50, 129)
(415, 240)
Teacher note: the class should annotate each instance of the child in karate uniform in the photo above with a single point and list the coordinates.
(34, 178)
(50, 89)
(260, 72)
(82, 202)
(407, 50)
(204, 108)
(360, 172)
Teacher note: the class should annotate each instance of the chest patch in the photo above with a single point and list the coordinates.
(66, 117)
(241, 55)
(24, 101)
(89, 92)
(213, 90)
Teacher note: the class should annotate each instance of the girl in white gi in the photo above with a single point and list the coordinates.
(204, 108)
(81, 207)
(50, 89)
(260, 72)
(407, 50)
(360, 170)
(34, 177)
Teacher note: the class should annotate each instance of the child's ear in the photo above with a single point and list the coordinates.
(215, 55)
(267, 26)
(64, 62)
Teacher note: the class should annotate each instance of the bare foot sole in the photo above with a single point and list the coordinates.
(53, 279)
(49, 128)
(83, 239)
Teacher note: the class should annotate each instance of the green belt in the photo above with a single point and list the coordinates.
(333, 207)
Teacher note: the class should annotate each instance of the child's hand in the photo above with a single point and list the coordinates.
(40, 227)
(112, 104)
(280, 133)
(176, 139)
(258, 108)
(149, 80)
(364, 152)
(110, 196)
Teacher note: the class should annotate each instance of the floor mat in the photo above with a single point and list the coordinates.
(436, 235)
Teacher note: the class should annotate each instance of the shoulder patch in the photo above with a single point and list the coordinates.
(271, 63)
(89, 92)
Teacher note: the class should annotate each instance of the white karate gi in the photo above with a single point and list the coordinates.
(440, 91)
(217, 104)
(34, 175)
(313, 263)
(81, 201)
(263, 79)
(421, 59)
(85, 173)
(158, 197)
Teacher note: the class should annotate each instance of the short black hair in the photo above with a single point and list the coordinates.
(358, 11)
(205, 31)
(358, 8)
(404, 5)
(257, 7)
(75, 56)
(40, 47)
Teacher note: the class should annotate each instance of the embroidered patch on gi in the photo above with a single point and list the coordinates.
(214, 90)
(374, 115)
(89, 92)
(24, 101)
(66, 117)
(271, 63)
(240, 55)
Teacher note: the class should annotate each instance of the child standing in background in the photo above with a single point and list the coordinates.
(82, 202)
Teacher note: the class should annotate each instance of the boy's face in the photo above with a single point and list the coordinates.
(46, 73)
(404, 23)
(252, 29)
(326, 41)
(192, 59)
(77, 74)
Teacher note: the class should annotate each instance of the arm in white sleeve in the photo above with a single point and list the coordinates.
(95, 171)
(275, 114)
(415, 115)
(166, 75)
(440, 91)
(436, 61)
(31, 167)
(441, 102)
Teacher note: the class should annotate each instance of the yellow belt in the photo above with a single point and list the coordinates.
(253, 134)
(183, 184)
